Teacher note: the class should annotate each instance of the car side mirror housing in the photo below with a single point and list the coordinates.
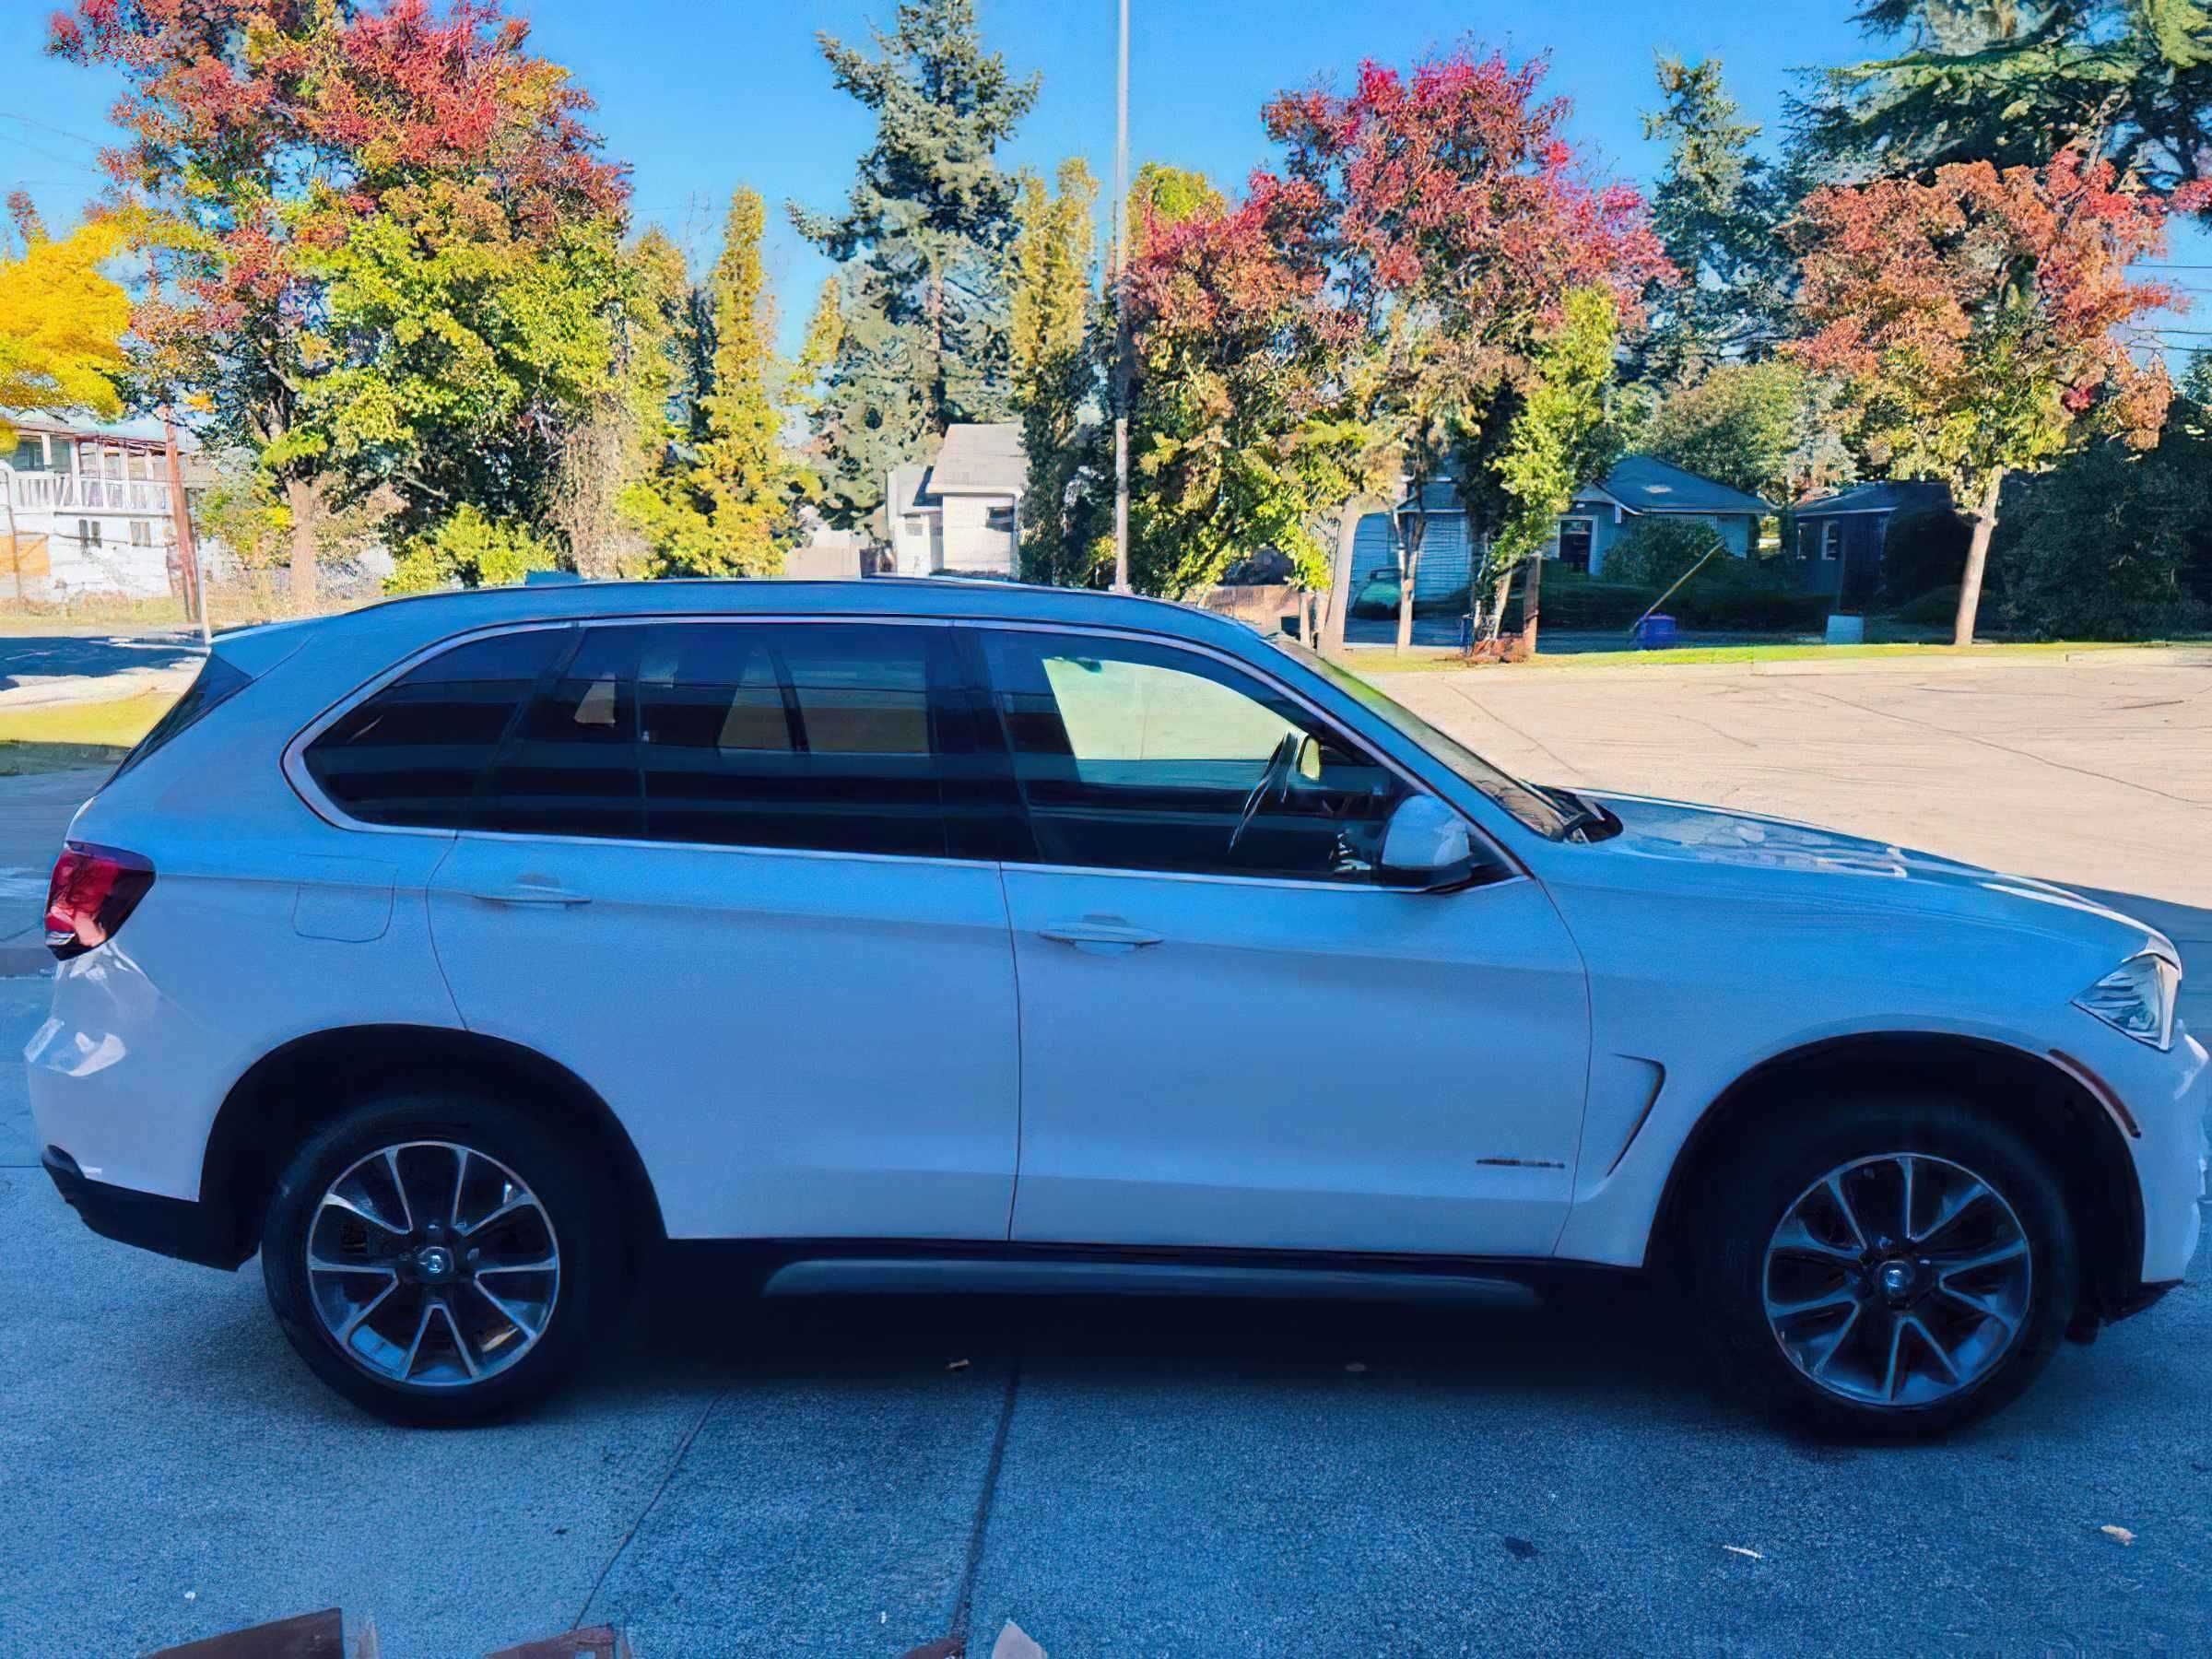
(1427, 848)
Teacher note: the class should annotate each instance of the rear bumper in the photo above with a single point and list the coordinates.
(170, 1227)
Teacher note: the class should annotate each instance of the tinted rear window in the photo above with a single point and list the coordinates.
(415, 752)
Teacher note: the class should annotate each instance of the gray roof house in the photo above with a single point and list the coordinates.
(1599, 516)
(962, 511)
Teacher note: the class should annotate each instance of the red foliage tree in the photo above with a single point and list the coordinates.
(1974, 320)
(1453, 217)
(262, 131)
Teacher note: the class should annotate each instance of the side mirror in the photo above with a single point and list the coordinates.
(1425, 847)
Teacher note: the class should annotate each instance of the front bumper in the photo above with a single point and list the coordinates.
(170, 1227)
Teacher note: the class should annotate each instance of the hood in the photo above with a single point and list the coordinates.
(1752, 857)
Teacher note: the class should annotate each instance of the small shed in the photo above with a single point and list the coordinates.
(1839, 537)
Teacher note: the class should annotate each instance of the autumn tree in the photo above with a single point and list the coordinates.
(921, 245)
(1054, 364)
(1233, 445)
(728, 505)
(61, 320)
(1455, 217)
(380, 231)
(1972, 322)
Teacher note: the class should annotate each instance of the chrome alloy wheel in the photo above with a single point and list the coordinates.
(432, 1265)
(1900, 1279)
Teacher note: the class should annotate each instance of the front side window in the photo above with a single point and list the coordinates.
(414, 753)
(1136, 756)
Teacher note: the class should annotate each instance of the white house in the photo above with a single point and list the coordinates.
(85, 509)
(961, 513)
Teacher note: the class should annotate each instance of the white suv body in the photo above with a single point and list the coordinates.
(933, 928)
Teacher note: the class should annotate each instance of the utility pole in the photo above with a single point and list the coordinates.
(180, 512)
(1120, 315)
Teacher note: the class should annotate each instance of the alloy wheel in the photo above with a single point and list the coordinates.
(1898, 1280)
(433, 1264)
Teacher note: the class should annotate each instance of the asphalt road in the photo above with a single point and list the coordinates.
(1137, 1478)
(32, 660)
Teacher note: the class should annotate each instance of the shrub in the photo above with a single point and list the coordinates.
(1933, 608)
(471, 550)
(1657, 550)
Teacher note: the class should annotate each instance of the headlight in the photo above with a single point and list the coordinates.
(2137, 998)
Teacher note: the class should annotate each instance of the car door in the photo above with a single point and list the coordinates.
(1233, 1034)
(712, 870)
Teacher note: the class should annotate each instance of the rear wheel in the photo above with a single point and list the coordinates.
(438, 1257)
(1889, 1267)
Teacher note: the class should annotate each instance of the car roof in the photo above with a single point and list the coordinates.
(410, 623)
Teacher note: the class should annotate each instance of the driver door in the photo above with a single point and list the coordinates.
(1233, 1034)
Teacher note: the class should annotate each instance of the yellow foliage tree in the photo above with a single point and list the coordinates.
(61, 320)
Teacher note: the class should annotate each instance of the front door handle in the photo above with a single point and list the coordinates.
(1100, 935)
(533, 895)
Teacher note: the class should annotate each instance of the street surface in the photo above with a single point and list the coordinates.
(1137, 1478)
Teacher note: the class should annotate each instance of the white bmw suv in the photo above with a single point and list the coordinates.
(455, 952)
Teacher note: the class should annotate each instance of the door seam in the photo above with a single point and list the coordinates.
(1006, 906)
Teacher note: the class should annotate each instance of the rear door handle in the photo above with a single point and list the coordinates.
(1100, 935)
(533, 895)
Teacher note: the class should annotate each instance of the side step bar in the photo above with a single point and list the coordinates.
(954, 1276)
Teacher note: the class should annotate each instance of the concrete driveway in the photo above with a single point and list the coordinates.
(1135, 1478)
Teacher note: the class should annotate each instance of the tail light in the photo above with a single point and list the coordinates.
(93, 894)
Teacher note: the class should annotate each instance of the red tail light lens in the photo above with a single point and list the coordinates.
(93, 894)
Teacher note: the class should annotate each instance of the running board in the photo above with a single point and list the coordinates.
(952, 1276)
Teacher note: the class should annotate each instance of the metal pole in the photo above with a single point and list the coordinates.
(1120, 315)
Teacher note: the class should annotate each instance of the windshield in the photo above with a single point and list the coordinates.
(1531, 805)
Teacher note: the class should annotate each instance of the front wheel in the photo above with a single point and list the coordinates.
(1887, 1268)
(437, 1257)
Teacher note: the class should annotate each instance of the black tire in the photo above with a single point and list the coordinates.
(1753, 1192)
(577, 1203)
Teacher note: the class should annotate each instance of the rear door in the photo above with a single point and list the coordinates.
(1232, 1034)
(712, 870)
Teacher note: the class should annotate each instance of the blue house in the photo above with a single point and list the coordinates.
(1639, 487)
(1840, 537)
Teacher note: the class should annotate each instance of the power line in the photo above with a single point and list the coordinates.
(47, 126)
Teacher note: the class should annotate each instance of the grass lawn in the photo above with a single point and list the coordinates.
(1379, 661)
(73, 734)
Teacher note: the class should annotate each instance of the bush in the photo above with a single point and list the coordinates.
(1923, 548)
(470, 550)
(1935, 608)
(1573, 601)
(1657, 550)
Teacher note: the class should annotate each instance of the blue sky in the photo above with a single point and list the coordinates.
(698, 98)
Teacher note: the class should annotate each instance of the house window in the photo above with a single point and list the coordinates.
(142, 533)
(1576, 535)
(1000, 519)
(88, 533)
(915, 524)
(1831, 539)
(31, 453)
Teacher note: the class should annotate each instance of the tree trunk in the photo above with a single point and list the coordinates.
(1413, 560)
(1528, 604)
(1338, 604)
(300, 497)
(1977, 564)
(1501, 596)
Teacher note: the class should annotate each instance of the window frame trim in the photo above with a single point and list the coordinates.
(294, 764)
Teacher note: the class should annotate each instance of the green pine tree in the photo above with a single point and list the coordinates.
(727, 505)
(1973, 80)
(922, 241)
(1718, 208)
